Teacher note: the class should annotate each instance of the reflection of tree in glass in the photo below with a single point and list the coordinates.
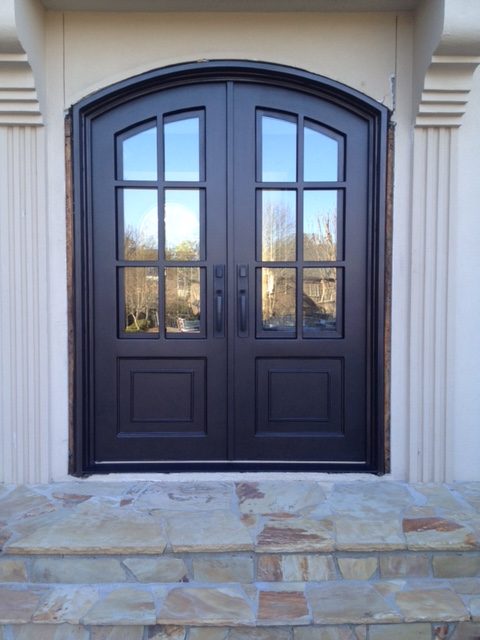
(278, 232)
(138, 245)
(321, 244)
(141, 299)
(186, 250)
(278, 298)
(182, 299)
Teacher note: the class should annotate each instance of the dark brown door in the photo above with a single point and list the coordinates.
(230, 271)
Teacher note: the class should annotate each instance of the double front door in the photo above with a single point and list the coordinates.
(229, 253)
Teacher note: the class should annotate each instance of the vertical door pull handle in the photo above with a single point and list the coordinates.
(243, 310)
(218, 301)
(218, 311)
(242, 300)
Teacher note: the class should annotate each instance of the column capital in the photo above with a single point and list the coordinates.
(447, 44)
(19, 104)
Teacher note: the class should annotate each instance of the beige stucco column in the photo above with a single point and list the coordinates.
(24, 318)
(442, 99)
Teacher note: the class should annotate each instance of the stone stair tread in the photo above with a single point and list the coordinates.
(259, 604)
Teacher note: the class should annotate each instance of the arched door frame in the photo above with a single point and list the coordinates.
(375, 114)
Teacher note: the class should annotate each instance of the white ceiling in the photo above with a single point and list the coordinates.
(231, 5)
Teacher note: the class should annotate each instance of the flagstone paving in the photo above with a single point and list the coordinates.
(283, 560)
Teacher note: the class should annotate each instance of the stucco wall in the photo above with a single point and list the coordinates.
(435, 408)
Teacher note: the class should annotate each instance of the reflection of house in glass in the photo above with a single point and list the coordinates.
(319, 298)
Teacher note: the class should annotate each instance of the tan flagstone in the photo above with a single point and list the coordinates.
(282, 607)
(209, 606)
(95, 528)
(158, 569)
(418, 631)
(474, 608)
(123, 606)
(469, 491)
(404, 565)
(260, 634)
(218, 531)
(466, 631)
(358, 568)
(65, 605)
(206, 633)
(296, 534)
(433, 604)
(49, 632)
(349, 603)
(187, 496)
(160, 632)
(368, 534)
(77, 570)
(439, 496)
(457, 565)
(117, 633)
(233, 568)
(323, 633)
(296, 568)
(17, 606)
(469, 586)
(360, 632)
(279, 497)
(369, 498)
(12, 570)
(439, 534)
(24, 502)
(387, 587)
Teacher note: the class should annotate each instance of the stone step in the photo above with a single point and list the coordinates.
(215, 560)
(400, 631)
(244, 568)
(331, 603)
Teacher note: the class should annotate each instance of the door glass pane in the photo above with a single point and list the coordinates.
(320, 225)
(182, 149)
(279, 150)
(139, 156)
(140, 224)
(319, 299)
(182, 300)
(140, 299)
(278, 299)
(182, 224)
(320, 156)
(279, 225)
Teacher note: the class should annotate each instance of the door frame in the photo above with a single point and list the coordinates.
(81, 458)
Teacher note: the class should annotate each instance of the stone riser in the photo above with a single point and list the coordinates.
(238, 567)
(415, 631)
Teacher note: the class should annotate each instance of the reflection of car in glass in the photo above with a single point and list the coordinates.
(188, 326)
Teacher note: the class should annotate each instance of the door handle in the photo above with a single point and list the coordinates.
(218, 307)
(242, 300)
(218, 311)
(243, 310)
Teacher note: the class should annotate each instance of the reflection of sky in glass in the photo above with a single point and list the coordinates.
(140, 156)
(182, 149)
(182, 218)
(140, 215)
(318, 205)
(320, 157)
(320, 225)
(279, 150)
